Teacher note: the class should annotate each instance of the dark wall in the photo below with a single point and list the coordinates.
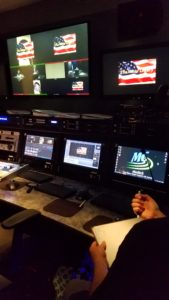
(104, 34)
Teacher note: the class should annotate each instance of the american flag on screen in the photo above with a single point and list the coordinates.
(64, 44)
(141, 71)
(25, 50)
(77, 86)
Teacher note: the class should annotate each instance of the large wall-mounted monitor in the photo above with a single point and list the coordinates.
(132, 71)
(141, 166)
(50, 63)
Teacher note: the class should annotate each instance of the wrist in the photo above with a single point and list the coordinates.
(158, 214)
(101, 262)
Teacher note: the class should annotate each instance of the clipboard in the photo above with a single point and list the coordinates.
(113, 234)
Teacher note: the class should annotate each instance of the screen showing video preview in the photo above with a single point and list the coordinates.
(39, 146)
(141, 71)
(141, 163)
(82, 153)
(53, 62)
(135, 71)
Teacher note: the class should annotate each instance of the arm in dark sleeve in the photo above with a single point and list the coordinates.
(135, 273)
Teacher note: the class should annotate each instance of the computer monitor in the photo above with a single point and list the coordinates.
(50, 63)
(141, 165)
(39, 147)
(135, 71)
(82, 153)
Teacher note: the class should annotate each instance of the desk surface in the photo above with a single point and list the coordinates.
(37, 200)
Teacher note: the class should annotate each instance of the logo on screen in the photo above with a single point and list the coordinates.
(140, 162)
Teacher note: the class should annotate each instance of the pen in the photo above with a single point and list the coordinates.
(139, 192)
(82, 203)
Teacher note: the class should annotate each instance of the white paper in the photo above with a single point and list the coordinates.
(113, 234)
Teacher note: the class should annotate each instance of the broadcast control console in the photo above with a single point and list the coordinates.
(8, 170)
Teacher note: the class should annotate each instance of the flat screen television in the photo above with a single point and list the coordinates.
(39, 147)
(82, 153)
(141, 166)
(132, 71)
(49, 63)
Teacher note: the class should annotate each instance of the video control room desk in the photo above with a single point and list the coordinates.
(38, 200)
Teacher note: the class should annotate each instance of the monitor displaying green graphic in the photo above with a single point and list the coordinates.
(141, 163)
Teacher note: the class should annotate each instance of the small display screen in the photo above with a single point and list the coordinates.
(39, 146)
(141, 163)
(82, 153)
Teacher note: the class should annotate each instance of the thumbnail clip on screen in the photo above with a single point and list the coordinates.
(82, 153)
(53, 62)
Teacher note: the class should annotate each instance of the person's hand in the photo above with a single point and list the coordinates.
(98, 256)
(98, 253)
(146, 207)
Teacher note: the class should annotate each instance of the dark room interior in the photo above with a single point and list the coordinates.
(84, 118)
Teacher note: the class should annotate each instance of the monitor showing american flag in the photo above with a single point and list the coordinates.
(141, 71)
(50, 63)
(136, 71)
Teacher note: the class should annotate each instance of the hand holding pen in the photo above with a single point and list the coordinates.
(146, 207)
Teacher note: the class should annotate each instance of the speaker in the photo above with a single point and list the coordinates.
(139, 18)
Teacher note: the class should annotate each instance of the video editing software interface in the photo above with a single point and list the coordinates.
(149, 165)
(39, 146)
(135, 71)
(82, 153)
(53, 62)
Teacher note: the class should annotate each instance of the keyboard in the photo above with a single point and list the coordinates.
(36, 176)
(54, 189)
(115, 201)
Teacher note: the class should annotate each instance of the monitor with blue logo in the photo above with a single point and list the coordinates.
(140, 164)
